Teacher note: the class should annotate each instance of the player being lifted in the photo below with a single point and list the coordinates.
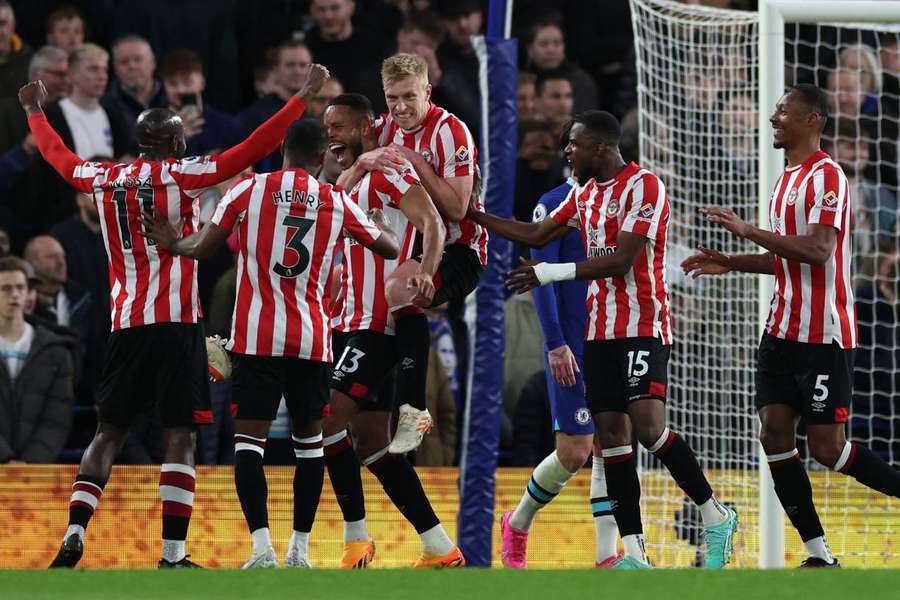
(154, 302)
(366, 348)
(622, 211)
(288, 228)
(561, 310)
(443, 154)
(805, 361)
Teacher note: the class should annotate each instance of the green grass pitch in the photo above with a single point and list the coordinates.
(467, 584)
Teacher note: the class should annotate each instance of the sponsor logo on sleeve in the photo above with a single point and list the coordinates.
(646, 212)
(539, 214)
(462, 154)
(829, 201)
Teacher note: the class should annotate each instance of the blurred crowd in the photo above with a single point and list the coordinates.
(226, 66)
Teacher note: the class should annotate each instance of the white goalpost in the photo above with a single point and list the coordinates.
(708, 80)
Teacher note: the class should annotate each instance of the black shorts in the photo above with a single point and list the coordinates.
(619, 371)
(457, 275)
(362, 362)
(162, 365)
(259, 382)
(815, 379)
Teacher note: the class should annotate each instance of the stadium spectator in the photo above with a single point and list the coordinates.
(443, 344)
(291, 61)
(352, 54)
(4, 244)
(462, 19)
(14, 53)
(554, 100)
(422, 34)
(134, 89)
(65, 28)
(203, 26)
(526, 97)
(547, 52)
(88, 125)
(60, 299)
(876, 387)
(205, 128)
(85, 254)
(36, 375)
(538, 166)
(600, 40)
(523, 347)
(889, 56)
(438, 449)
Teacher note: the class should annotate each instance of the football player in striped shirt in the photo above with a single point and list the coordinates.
(154, 302)
(289, 226)
(622, 211)
(367, 348)
(805, 361)
(442, 151)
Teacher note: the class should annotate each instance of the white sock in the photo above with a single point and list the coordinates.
(635, 547)
(173, 550)
(300, 541)
(712, 512)
(547, 479)
(436, 542)
(818, 547)
(355, 531)
(262, 541)
(76, 529)
(605, 530)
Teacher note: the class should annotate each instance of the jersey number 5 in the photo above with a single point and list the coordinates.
(298, 227)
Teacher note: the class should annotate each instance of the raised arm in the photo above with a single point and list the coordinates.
(50, 145)
(266, 138)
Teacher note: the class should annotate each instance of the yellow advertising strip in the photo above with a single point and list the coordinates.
(863, 527)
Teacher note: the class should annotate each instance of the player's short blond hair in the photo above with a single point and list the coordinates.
(403, 65)
(87, 52)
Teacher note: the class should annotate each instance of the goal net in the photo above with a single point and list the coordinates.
(698, 91)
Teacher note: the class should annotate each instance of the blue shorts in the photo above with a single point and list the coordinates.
(567, 403)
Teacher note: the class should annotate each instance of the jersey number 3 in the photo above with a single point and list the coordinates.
(298, 227)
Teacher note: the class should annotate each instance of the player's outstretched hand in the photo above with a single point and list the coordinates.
(424, 286)
(377, 217)
(316, 75)
(160, 230)
(727, 219)
(706, 262)
(563, 365)
(385, 159)
(522, 278)
(32, 96)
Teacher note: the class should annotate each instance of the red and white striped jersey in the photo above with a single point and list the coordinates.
(446, 144)
(148, 285)
(289, 227)
(361, 303)
(813, 304)
(635, 304)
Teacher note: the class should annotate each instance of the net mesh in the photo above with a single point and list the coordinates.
(698, 114)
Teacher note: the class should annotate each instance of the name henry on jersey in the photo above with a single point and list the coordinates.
(296, 197)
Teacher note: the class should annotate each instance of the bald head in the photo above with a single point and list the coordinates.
(160, 133)
(48, 258)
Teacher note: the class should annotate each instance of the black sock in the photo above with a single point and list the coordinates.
(870, 470)
(308, 478)
(250, 481)
(402, 485)
(680, 460)
(413, 344)
(343, 471)
(624, 489)
(795, 494)
(86, 494)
